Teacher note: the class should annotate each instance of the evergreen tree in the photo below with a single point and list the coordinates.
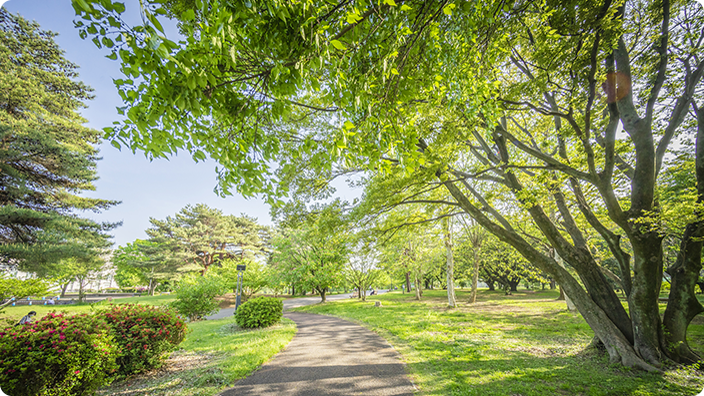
(201, 236)
(47, 157)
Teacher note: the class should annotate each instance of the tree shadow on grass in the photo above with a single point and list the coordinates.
(455, 373)
(179, 375)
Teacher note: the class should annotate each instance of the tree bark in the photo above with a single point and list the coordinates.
(643, 300)
(81, 295)
(513, 285)
(682, 303)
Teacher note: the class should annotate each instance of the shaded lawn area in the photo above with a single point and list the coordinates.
(14, 314)
(525, 344)
(214, 355)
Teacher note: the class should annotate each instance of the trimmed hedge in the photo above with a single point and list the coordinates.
(259, 312)
(57, 355)
(145, 335)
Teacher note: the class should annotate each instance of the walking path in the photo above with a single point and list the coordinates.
(329, 356)
(289, 304)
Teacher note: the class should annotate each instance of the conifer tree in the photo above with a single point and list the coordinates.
(47, 156)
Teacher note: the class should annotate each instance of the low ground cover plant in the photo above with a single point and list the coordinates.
(145, 335)
(259, 312)
(57, 355)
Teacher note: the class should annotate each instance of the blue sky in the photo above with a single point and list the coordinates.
(147, 189)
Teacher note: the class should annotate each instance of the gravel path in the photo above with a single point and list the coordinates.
(329, 356)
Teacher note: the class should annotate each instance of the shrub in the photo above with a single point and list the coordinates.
(57, 355)
(144, 334)
(259, 312)
(195, 296)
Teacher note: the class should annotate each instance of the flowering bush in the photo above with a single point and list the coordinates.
(259, 312)
(144, 334)
(57, 355)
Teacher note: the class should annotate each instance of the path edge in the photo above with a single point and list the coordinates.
(397, 345)
(230, 386)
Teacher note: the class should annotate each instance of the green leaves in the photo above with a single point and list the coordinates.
(338, 45)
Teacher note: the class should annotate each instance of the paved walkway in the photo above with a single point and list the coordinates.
(329, 356)
(289, 304)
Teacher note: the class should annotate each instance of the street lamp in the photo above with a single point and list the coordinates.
(240, 270)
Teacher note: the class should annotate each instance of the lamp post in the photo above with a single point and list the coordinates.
(240, 270)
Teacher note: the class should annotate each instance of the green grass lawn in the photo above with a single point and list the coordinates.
(15, 313)
(213, 356)
(525, 344)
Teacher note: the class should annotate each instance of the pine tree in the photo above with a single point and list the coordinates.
(47, 157)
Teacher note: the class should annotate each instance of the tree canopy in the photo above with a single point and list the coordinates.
(563, 112)
(200, 236)
(312, 255)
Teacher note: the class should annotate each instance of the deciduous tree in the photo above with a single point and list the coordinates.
(313, 255)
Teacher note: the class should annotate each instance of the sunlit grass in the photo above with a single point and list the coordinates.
(214, 355)
(15, 313)
(525, 344)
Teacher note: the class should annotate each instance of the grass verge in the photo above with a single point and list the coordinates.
(14, 314)
(214, 355)
(525, 344)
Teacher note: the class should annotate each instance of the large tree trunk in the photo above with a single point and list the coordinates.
(490, 284)
(323, 293)
(408, 281)
(643, 300)
(682, 303)
(419, 285)
(513, 284)
(152, 286)
(63, 288)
